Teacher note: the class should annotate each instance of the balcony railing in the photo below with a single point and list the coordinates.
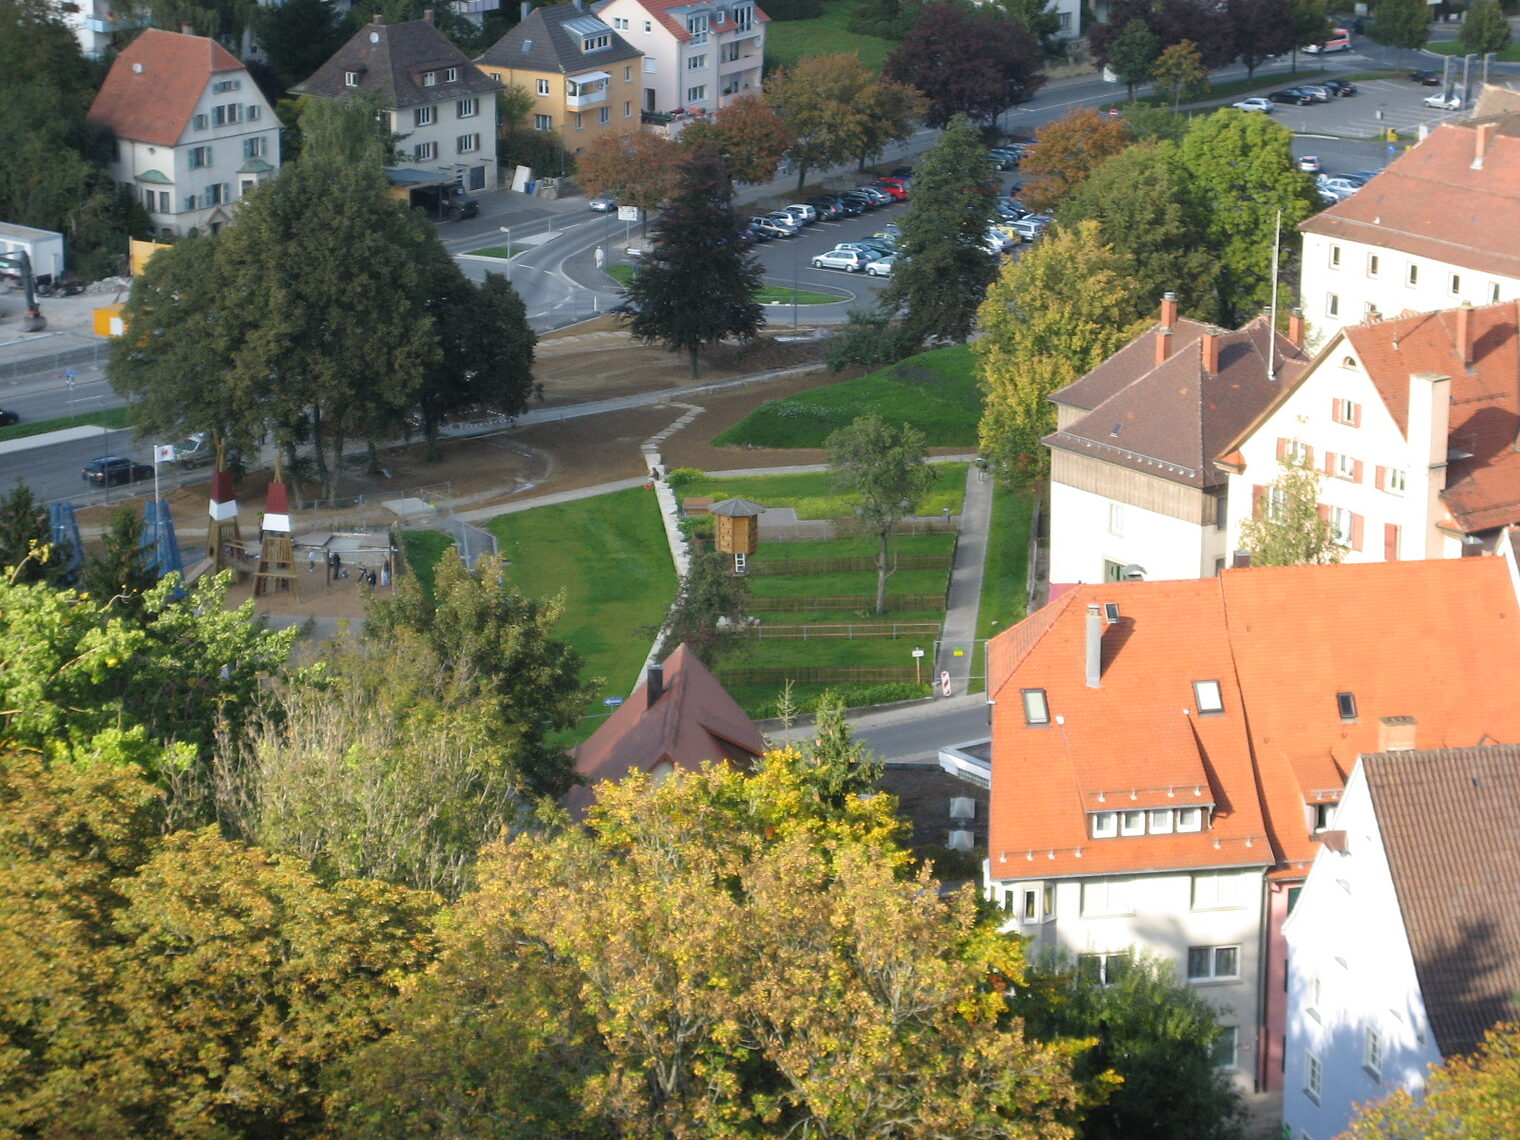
(586, 98)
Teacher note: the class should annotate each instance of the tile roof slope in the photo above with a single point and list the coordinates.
(694, 720)
(1120, 370)
(1447, 819)
(155, 83)
(1416, 639)
(661, 11)
(1133, 735)
(387, 57)
(552, 47)
(1482, 491)
(1432, 202)
(1172, 419)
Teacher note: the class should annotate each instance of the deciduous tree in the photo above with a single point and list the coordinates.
(1307, 24)
(1171, 21)
(1484, 28)
(821, 103)
(884, 469)
(298, 36)
(1132, 54)
(638, 167)
(1179, 74)
(748, 133)
(967, 62)
(1053, 315)
(1262, 29)
(1402, 24)
(1286, 527)
(709, 607)
(1068, 151)
(696, 287)
(943, 269)
(1475, 1096)
(1242, 174)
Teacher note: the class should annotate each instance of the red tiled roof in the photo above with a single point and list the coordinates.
(692, 721)
(1281, 642)
(1433, 202)
(661, 9)
(1483, 491)
(1170, 419)
(153, 87)
(1447, 822)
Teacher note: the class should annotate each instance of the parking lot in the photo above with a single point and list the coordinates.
(1378, 105)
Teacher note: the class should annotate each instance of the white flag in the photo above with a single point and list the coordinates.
(163, 453)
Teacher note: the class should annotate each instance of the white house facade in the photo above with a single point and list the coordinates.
(194, 134)
(699, 55)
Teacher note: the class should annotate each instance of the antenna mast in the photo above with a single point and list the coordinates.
(1272, 312)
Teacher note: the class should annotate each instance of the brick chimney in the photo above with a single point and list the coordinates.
(655, 686)
(1396, 734)
(1209, 343)
(1481, 136)
(1464, 332)
(1164, 328)
(1296, 327)
(1094, 646)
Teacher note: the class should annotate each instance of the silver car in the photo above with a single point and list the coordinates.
(882, 266)
(849, 260)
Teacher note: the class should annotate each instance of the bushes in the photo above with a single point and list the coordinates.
(853, 696)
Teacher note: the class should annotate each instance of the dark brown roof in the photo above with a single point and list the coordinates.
(1483, 489)
(542, 42)
(1448, 823)
(154, 85)
(391, 60)
(691, 722)
(1171, 419)
(1434, 201)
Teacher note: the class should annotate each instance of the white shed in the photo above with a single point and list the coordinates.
(44, 247)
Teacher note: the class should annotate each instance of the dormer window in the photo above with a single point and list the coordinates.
(596, 43)
(1036, 707)
(1209, 699)
(1190, 819)
(1324, 816)
(1131, 823)
(1105, 824)
(350, 79)
(1345, 704)
(430, 79)
(451, 75)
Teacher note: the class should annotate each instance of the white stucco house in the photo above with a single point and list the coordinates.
(1134, 492)
(699, 55)
(98, 24)
(193, 132)
(1411, 424)
(1439, 226)
(1404, 947)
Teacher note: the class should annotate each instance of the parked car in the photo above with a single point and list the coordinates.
(828, 209)
(893, 190)
(196, 451)
(849, 260)
(902, 172)
(1340, 188)
(755, 231)
(803, 212)
(1426, 78)
(1003, 159)
(1011, 208)
(1030, 228)
(846, 208)
(874, 248)
(881, 196)
(1291, 95)
(1311, 163)
(603, 204)
(1316, 91)
(113, 470)
(863, 200)
(882, 266)
(905, 183)
(1340, 88)
(786, 221)
(1444, 102)
(771, 228)
(1254, 103)
(8, 417)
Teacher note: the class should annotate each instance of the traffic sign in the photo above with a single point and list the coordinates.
(628, 213)
(612, 702)
(958, 653)
(918, 653)
(944, 683)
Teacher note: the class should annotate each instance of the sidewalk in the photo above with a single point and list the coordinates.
(957, 645)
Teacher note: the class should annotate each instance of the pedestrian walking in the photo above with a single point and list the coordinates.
(600, 257)
(312, 559)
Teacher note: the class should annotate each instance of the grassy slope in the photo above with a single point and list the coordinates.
(814, 498)
(609, 558)
(105, 418)
(934, 391)
(1005, 572)
(787, 41)
(423, 550)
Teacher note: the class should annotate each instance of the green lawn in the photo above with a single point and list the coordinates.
(935, 391)
(787, 41)
(609, 559)
(115, 418)
(1511, 54)
(423, 550)
(813, 497)
(1005, 572)
(844, 582)
(502, 251)
(765, 294)
(854, 548)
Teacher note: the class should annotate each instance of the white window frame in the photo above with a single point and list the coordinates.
(1190, 819)
(430, 79)
(1335, 256)
(620, 23)
(199, 122)
(451, 75)
(1106, 976)
(1313, 996)
(1456, 285)
(466, 108)
(604, 116)
(1332, 305)
(1412, 276)
(1214, 971)
(1493, 292)
(1158, 821)
(1208, 697)
(1116, 519)
(1228, 1040)
(1132, 821)
(1372, 1053)
(1218, 890)
(1345, 466)
(543, 123)
(1345, 411)
(648, 26)
(1395, 480)
(541, 86)
(696, 62)
(1103, 824)
(1106, 898)
(1314, 1075)
(422, 116)
(350, 79)
(1373, 265)
(201, 158)
(1036, 707)
(255, 112)
(425, 152)
(467, 144)
(697, 94)
(1340, 525)
(1324, 816)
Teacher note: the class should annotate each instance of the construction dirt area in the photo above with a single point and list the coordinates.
(586, 363)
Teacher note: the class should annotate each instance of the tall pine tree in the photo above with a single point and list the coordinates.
(697, 285)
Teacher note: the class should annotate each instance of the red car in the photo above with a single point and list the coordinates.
(892, 187)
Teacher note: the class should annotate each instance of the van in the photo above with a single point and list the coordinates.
(195, 451)
(1340, 40)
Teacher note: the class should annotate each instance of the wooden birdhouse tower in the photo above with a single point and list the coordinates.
(737, 529)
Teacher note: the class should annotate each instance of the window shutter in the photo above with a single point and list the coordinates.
(1380, 475)
(1330, 463)
(1324, 512)
(1282, 448)
(1356, 415)
(1335, 412)
(1390, 542)
(1308, 456)
(1356, 472)
(1258, 500)
(1356, 531)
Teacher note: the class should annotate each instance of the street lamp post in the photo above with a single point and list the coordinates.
(508, 231)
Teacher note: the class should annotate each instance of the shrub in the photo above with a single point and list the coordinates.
(681, 476)
(853, 696)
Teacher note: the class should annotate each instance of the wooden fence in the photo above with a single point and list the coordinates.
(771, 567)
(850, 630)
(829, 529)
(855, 603)
(819, 675)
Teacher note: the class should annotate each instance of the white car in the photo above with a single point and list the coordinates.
(882, 266)
(1444, 102)
(1254, 103)
(850, 260)
(804, 213)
